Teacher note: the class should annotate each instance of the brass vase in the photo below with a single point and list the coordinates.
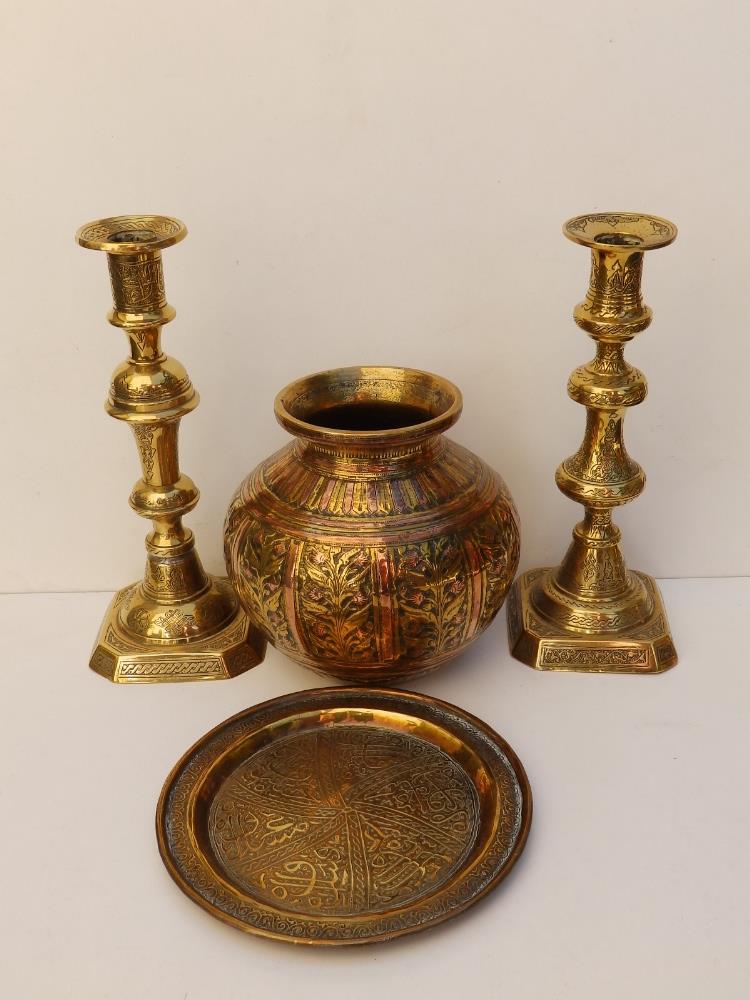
(372, 547)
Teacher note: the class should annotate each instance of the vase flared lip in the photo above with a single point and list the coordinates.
(401, 389)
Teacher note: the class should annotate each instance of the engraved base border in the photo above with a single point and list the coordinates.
(542, 645)
(119, 657)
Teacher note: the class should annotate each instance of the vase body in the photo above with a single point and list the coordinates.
(371, 548)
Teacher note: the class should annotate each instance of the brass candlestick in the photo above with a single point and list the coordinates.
(178, 623)
(591, 613)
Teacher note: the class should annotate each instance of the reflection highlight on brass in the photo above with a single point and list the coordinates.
(178, 623)
(591, 612)
(372, 547)
(341, 816)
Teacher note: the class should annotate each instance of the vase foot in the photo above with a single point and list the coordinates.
(125, 658)
(646, 648)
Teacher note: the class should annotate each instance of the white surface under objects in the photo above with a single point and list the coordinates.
(635, 880)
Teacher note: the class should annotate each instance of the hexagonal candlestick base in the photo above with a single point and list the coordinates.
(124, 658)
(538, 642)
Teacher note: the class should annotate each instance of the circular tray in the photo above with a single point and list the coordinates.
(343, 815)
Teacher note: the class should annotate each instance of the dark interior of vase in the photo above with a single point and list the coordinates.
(376, 399)
(368, 415)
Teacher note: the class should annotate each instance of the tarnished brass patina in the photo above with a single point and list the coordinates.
(371, 548)
(592, 613)
(343, 815)
(178, 623)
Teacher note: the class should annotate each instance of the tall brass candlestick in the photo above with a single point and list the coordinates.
(178, 623)
(591, 613)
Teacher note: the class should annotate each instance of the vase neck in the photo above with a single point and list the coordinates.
(371, 459)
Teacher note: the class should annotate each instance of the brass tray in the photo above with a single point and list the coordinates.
(343, 815)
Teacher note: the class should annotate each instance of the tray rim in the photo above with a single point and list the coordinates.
(357, 692)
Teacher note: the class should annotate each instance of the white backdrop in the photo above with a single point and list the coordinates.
(371, 182)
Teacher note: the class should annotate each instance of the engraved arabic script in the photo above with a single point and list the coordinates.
(344, 821)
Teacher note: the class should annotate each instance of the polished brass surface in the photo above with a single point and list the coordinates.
(178, 623)
(371, 548)
(591, 613)
(343, 816)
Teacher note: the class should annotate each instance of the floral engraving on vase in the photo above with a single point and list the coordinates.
(234, 517)
(497, 540)
(386, 568)
(330, 603)
(345, 822)
(432, 592)
(334, 496)
(333, 599)
(262, 554)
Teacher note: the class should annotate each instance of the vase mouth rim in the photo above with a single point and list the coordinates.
(368, 405)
